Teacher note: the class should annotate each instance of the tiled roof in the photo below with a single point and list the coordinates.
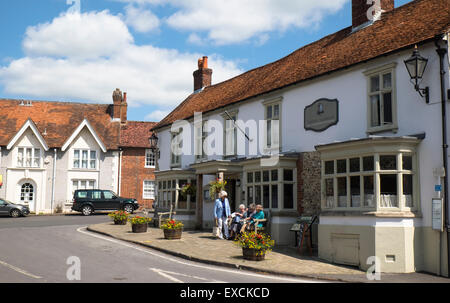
(402, 27)
(136, 134)
(56, 121)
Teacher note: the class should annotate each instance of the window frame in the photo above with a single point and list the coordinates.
(149, 196)
(89, 159)
(380, 71)
(271, 103)
(176, 140)
(33, 157)
(198, 139)
(227, 130)
(150, 154)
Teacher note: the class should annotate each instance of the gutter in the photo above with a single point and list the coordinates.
(53, 180)
(441, 53)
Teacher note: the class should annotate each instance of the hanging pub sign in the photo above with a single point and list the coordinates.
(322, 114)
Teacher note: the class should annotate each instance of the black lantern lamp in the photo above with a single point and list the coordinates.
(153, 142)
(416, 66)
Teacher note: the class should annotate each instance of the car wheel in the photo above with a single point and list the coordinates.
(128, 208)
(87, 210)
(15, 213)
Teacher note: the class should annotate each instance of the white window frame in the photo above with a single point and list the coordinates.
(271, 104)
(230, 134)
(32, 158)
(89, 159)
(380, 71)
(150, 159)
(200, 137)
(176, 141)
(149, 190)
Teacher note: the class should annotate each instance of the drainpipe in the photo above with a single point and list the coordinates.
(53, 179)
(119, 185)
(442, 52)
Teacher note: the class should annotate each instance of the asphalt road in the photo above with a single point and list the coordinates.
(45, 249)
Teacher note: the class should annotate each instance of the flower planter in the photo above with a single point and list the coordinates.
(253, 254)
(172, 234)
(139, 228)
(121, 222)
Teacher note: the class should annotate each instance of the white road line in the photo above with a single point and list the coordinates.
(160, 271)
(192, 264)
(19, 270)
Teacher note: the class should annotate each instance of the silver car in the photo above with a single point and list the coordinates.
(8, 208)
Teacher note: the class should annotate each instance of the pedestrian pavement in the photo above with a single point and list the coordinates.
(202, 246)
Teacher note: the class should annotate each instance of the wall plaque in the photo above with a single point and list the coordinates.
(322, 114)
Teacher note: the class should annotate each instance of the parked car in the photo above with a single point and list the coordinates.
(87, 201)
(7, 208)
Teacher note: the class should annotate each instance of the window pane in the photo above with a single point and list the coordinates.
(368, 163)
(368, 191)
(374, 83)
(269, 112)
(257, 177)
(355, 191)
(288, 196)
(407, 162)
(388, 162)
(266, 196)
(341, 166)
(387, 108)
(266, 176)
(354, 165)
(249, 177)
(329, 193)
(329, 167)
(276, 111)
(342, 192)
(37, 157)
(387, 81)
(375, 110)
(388, 191)
(258, 198)
(250, 195)
(408, 190)
(274, 196)
(269, 133)
(288, 175)
(274, 175)
(28, 158)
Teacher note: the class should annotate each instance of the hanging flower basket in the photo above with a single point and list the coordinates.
(188, 189)
(216, 187)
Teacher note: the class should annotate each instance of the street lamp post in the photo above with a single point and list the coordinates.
(416, 66)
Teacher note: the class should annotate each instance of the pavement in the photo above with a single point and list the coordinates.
(202, 247)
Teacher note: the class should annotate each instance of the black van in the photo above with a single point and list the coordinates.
(87, 201)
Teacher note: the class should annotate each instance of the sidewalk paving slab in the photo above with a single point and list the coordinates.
(203, 247)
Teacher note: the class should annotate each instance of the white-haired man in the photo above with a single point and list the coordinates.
(221, 213)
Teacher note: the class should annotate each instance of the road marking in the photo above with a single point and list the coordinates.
(19, 270)
(168, 274)
(147, 251)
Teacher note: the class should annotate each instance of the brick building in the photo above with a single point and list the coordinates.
(137, 179)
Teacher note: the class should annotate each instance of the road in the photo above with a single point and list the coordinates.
(44, 249)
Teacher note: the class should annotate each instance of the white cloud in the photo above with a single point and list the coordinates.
(142, 20)
(58, 65)
(236, 21)
(157, 115)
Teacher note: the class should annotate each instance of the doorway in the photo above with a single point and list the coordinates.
(27, 195)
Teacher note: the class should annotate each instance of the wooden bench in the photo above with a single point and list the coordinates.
(160, 213)
(265, 222)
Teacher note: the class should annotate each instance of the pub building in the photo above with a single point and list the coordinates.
(357, 122)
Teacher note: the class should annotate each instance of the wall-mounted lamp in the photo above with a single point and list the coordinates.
(416, 66)
(153, 142)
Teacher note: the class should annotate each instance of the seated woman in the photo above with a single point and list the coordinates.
(237, 222)
(250, 223)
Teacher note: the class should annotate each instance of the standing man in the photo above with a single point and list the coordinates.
(221, 213)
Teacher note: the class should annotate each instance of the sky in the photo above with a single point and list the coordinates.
(82, 50)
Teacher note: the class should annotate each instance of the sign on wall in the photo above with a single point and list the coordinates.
(437, 215)
(322, 114)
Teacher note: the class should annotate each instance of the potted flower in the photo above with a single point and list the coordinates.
(139, 224)
(119, 217)
(172, 229)
(216, 187)
(254, 246)
(188, 189)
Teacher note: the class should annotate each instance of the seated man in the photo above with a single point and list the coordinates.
(250, 223)
(238, 219)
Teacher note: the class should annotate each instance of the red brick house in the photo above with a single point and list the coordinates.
(137, 163)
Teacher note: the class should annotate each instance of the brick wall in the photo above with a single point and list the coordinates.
(133, 175)
(308, 183)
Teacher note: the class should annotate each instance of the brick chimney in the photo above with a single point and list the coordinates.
(120, 106)
(202, 76)
(361, 10)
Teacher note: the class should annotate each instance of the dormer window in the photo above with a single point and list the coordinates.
(84, 159)
(28, 157)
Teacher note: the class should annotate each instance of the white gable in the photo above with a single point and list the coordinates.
(82, 139)
(28, 135)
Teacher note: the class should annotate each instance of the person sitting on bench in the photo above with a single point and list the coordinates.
(250, 223)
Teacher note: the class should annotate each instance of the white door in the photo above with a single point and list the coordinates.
(27, 195)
